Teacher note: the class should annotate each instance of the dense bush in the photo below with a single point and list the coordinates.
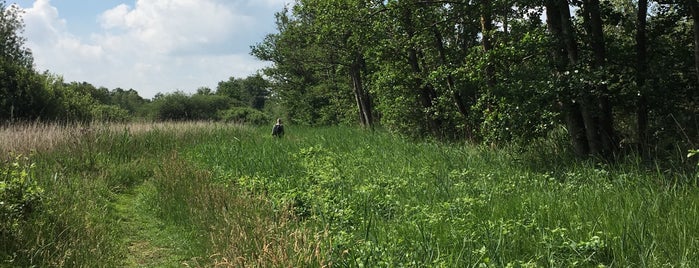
(244, 115)
(109, 113)
(180, 106)
(20, 198)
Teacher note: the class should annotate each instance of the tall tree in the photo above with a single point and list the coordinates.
(345, 28)
(11, 40)
(319, 63)
(486, 9)
(565, 55)
(426, 92)
(694, 11)
(21, 92)
(597, 110)
(641, 73)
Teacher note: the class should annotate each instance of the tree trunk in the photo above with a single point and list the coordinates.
(576, 128)
(487, 30)
(641, 71)
(456, 96)
(361, 96)
(565, 54)
(597, 110)
(567, 32)
(426, 94)
(694, 8)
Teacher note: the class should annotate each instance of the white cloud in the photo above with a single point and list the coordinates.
(115, 17)
(172, 26)
(43, 21)
(154, 46)
(274, 3)
(50, 42)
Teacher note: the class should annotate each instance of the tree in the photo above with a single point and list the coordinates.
(596, 109)
(179, 106)
(251, 91)
(128, 100)
(489, 70)
(306, 78)
(565, 55)
(641, 73)
(11, 40)
(327, 59)
(346, 22)
(204, 91)
(694, 11)
(21, 93)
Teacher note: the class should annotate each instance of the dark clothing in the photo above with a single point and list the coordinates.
(278, 130)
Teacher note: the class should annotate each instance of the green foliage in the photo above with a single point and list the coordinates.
(430, 73)
(179, 106)
(388, 202)
(128, 100)
(20, 195)
(310, 80)
(223, 194)
(72, 102)
(22, 96)
(239, 100)
(27, 95)
(109, 113)
(11, 40)
(244, 115)
(691, 154)
(251, 91)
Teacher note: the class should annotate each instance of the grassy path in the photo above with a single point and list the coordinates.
(150, 241)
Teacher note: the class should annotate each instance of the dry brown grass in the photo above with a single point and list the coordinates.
(25, 138)
(243, 230)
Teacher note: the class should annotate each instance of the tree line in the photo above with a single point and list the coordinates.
(28, 95)
(609, 73)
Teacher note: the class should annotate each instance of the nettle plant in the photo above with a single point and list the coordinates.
(20, 195)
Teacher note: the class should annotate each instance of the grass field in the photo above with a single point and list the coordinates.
(206, 194)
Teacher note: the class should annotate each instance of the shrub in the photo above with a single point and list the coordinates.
(109, 113)
(20, 197)
(244, 115)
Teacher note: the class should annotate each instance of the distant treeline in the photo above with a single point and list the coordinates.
(27, 95)
(46, 97)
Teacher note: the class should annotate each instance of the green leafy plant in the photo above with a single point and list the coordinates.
(20, 195)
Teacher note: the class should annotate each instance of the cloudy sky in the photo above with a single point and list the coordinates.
(150, 46)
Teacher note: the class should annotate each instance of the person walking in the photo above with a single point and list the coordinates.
(278, 129)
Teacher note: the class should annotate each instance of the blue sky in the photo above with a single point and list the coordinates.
(151, 46)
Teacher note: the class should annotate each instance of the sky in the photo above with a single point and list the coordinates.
(151, 46)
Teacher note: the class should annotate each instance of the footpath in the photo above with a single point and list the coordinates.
(150, 241)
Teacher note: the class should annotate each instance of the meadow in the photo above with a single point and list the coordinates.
(212, 194)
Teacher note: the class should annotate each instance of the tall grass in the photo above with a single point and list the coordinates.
(235, 228)
(88, 172)
(388, 201)
(225, 195)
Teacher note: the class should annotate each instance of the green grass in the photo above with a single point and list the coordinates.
(204, 195)
(151, 240)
